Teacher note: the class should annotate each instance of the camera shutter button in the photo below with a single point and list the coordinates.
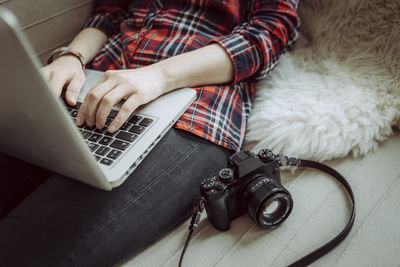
(226, 175)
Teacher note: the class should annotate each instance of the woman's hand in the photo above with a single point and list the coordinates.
(65, 71)
(136, 86)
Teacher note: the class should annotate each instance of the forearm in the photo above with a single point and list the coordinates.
(207, 65)
(88, 42)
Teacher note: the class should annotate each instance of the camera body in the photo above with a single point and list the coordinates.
(250, 183)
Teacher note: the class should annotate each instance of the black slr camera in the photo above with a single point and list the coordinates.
(250, 183)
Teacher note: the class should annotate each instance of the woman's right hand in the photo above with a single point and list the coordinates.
(65, 71)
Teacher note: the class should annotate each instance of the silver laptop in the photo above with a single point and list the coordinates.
(38, 127)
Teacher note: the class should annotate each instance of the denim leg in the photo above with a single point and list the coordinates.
(67, 223)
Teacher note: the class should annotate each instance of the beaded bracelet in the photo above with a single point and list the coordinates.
(66, 51)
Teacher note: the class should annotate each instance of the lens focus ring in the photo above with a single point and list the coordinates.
(259, 194)
(273, 218)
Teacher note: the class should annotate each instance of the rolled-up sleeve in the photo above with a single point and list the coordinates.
(255, 45)
(108, 15)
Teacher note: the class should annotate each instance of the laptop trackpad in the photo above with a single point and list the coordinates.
(92, 76)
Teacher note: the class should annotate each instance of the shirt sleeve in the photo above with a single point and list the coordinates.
(108, 15)
(255, 45)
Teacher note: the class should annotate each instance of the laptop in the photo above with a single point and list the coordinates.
(38, 127)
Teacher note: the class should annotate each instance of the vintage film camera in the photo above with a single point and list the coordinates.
(250, 183)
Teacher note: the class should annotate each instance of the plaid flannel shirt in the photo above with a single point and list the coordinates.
(254, 33)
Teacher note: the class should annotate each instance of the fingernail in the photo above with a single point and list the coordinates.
(78, 121)
(74, 98)
(111, 128)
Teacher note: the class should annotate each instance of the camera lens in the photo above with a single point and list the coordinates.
(267, 202)
(270, 208)
(274, 211)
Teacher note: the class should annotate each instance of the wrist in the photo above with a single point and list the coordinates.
(168, 74)
(70, 61)
(167, 83)
(66, 51)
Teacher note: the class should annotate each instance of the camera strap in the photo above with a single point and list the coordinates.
(316, 254)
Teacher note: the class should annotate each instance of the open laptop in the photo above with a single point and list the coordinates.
(38, 127)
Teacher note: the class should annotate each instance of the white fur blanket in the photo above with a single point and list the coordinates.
(338, 91)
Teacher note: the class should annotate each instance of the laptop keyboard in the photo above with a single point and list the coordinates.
(107, 147)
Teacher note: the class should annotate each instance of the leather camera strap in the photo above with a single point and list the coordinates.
(316, 254)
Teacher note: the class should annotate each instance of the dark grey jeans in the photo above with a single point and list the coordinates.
(60, 222)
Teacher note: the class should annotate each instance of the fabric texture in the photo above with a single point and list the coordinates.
(254, 34)
(338, 91)
(67, 223)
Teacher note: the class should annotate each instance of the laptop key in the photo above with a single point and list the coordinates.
(92, 146)
(106, 161)
(77, 106)
(119, 144)
(135, 119)
(74, 113)
(146, 122)
(126, 136)
(94, 137)
(101, 131)
(102, 150)
(125, 126)
(108, 121)
(105, 140)
(113, 114)
(137, 129)
(114, 154)
(110, 134)
(97, 157)
(86, 134)
(87, 127)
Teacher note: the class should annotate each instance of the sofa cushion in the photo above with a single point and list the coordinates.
(50, 24)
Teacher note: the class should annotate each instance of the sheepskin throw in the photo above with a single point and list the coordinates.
(338, 91)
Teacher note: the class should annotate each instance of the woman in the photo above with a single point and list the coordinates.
(147, 48)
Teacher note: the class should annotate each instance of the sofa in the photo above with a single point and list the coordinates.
(334, 97)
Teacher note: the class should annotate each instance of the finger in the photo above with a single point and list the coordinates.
(126, 110)
(107, 103)
(73, 89)
(87, 112)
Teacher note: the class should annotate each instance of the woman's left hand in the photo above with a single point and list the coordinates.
(136, 86)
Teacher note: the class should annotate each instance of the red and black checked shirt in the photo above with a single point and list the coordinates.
(254, 33)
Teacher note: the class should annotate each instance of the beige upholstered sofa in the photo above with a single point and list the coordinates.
(50, 24)
(320, 205)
